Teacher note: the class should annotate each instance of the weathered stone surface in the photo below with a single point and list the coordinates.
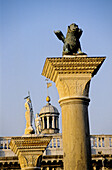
(72, 76)
(29, 150)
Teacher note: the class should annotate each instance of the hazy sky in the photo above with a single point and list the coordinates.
(27, 38)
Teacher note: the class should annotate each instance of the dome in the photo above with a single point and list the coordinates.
(49, 109)
(49, 117)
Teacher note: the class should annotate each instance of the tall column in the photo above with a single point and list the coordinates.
(47, 122)
(75, 125)
(72, 76)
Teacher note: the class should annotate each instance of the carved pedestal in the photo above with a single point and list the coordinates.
(72, 76)
(29, 150)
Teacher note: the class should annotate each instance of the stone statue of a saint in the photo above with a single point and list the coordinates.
(29, 116)
(38, 124)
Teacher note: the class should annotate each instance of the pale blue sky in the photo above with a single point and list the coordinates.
(27, 38)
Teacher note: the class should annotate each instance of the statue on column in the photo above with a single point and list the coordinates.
(38, 124)
(71, 41)
(29, 116)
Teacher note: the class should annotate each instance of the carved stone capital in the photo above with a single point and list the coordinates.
(71, 65)
(72, 75)
(29, 150)
(29, 161)
(73, 85)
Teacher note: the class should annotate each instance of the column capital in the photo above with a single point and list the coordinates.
(29, 161)
(73, 86)
(71, 65)
(72, 75)
(29, 150)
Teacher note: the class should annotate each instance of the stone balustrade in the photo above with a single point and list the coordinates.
(5, 151)
(100, 144)
(56, 142)
(4, 142)
(55, 147)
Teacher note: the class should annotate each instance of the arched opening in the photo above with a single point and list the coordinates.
(45, 122)
(55, 124)
(41, 123)
(50, 122)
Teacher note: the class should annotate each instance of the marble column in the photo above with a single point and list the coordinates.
(47, 122)
(53, 124)
(72, 76)
(43, 123)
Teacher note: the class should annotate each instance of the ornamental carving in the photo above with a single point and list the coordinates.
(71, 65)
(22, 161)
(29, 149)
(28, 160)
(72, 86)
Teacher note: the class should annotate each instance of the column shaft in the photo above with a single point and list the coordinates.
(43, 123)
(53, 124)
(47, 122)
(77, 152)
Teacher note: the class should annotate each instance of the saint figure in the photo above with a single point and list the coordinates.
(38, 124)
(29, 116)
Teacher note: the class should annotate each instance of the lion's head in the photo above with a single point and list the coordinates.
(73, 27)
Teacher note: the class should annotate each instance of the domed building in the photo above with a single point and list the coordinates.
(49, 116)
